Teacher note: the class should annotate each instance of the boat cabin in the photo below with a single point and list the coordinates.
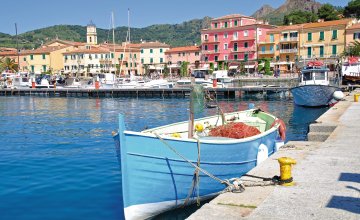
(314, 76)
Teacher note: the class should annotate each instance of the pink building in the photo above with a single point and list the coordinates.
(175, 56)
(352, 34)
(232, 38)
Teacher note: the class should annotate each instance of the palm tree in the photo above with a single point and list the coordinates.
(8, 64)
(353, 50)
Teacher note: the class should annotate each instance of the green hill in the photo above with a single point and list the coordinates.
(182, 34)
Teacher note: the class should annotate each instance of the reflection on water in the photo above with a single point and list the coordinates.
(57, 156)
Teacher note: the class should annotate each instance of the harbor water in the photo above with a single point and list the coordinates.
(57, 156)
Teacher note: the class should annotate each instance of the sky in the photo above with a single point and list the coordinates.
(33, 14)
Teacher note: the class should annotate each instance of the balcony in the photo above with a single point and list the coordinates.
(243, 49)
(243, 39)
(210, 51)
(289, 39)
(211, 42)
(294, 50)
(267, 52)
(272, 42)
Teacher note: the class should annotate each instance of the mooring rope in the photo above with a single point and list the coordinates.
(192, 164)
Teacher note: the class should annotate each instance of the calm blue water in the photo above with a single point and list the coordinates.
(57, 159)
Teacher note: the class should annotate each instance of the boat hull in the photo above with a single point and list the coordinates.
(155, 179)
(313, 95)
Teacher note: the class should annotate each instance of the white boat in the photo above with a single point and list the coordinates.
(314, 88)
(72, 82)
(159, 83)
(21, 82)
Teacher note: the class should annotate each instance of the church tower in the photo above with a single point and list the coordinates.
(91, 34)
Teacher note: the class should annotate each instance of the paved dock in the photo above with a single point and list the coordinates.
(327, 177)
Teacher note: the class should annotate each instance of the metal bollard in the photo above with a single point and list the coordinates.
(285, 171)
(356, 97)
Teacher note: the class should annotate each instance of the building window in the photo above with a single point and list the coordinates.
(309, 38)
(142, 50)
(321, 51)
(321, 35)
(225, 46)
(356, 36)
(235, 36)
(272, 48)
(226, 24)
(277, 58)
(31, 57)
(135, 65)
(263, 49)
(44, 68)
(206, 37)
(334, 34)
(226, 57)
(121, 56)
(235, 47)
(271, 38)
(24, 58)
(215, 37)
(127, 65)
(112, 56)
(135, 55)
(197, 53)
(225, 35)
(235, 57)
(151, 50)
(206, 47)
(216, 58)
(161, 50)
(161, 60)
(287, 58)
(235, 23)
(32, 68)
(334, 50)
(179, 54)
(206, 59)
(142, 61)
(246, 33)
(216, 48)
(215, 25)
(43, 56)
(246, 57)
(246, 44)
(151, 60)
(309, 52)
(259, 32)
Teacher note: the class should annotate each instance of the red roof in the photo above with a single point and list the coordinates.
(92, 50)
(42, 50)
(355, 26)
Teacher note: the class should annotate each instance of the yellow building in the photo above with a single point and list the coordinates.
(324, 40)
(48, 59)
(281, 46)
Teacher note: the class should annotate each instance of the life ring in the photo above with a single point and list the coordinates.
(282, 128)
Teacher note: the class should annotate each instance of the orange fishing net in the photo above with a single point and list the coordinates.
(236, 130)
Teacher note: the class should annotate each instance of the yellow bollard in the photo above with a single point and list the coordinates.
(356, 97)
(285, 170)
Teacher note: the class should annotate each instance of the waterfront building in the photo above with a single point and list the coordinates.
(175, 56)
(281, 46)
(152, 56)
(323, 40)
(352, 34)
(48, 59)
(231, 39)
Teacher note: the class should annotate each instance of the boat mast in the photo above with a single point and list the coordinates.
(113, 32)
(17, 47)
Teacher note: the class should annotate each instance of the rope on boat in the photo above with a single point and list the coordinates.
(195, 181)
(192, 164)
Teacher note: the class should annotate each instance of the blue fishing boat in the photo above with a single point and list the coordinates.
(314, 88)
(165, 168)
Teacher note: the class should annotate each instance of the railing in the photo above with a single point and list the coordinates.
(267, 52)
(294, 50)
(288, 39)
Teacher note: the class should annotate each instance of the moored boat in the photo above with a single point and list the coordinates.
(314, 88)
(157, 164)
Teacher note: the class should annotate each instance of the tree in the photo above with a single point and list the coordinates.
(353, 50)
(352, 9)
(184, 69)
(166, 71)
(328, 13)
(8, 64)
(299, 17)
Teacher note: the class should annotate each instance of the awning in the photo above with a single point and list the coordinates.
(233, 67)
(249, 66)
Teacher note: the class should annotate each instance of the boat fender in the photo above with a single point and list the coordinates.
(199, 127)
(262, 154)
(282, 128)
(338, 95)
